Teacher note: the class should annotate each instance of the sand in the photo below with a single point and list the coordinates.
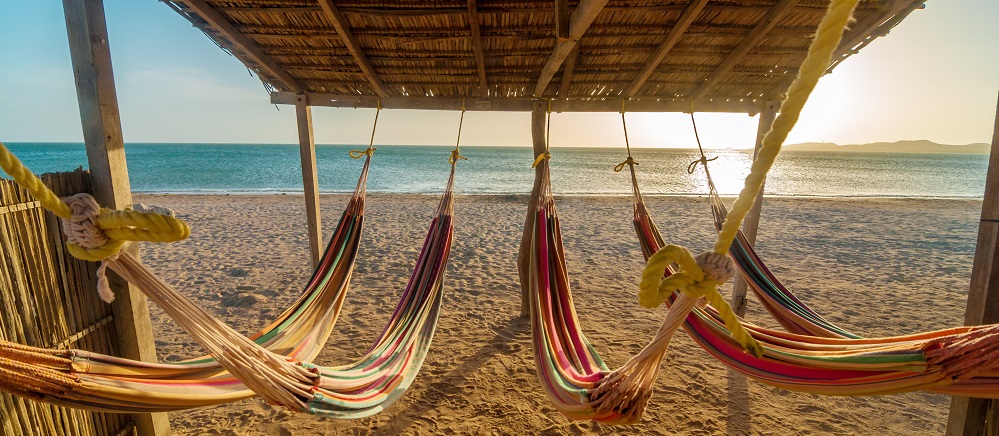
(875, 266)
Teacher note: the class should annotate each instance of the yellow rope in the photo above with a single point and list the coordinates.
(541, 157)
(118, 225)
(629, 161)
(827, 39)
(691, 277)
(357, 154)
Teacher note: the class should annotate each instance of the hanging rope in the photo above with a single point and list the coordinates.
(370, 151)
(548, 129)
(704, 159)
(712, 268)
(456, 153)
(630, 161)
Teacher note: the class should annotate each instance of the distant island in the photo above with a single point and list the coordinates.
(921, 146)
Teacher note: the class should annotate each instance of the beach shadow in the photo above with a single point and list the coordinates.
(739, 420)
(510, 331)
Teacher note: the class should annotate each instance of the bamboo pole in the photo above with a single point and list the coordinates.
(91, 56)
(751, 224)
(523, 260)
(977, 416)
(310, 178)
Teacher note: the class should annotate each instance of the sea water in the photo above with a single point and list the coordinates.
(266, 168)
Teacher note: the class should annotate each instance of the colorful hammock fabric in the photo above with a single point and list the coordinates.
(792, 314)
(368, 385)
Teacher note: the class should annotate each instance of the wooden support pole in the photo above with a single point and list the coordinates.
(310, 177)
(977, 416)
(752, 221)
(538, 117)
(91, 57)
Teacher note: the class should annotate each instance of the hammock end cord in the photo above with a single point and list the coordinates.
(94, 233)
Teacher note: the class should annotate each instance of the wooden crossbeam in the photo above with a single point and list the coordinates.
(562, 16)
(516, 104)
(584, 15)
(336, 18)
(759, 31)
(480, 52)
(570, 66)
(244, 44)
(864, 30)
(689, 15)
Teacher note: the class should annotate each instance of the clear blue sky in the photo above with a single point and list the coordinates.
(934, 77)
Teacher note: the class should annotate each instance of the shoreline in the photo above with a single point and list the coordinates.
(527, 194)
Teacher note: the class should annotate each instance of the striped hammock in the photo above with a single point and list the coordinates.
(271, 363)
(957, 361)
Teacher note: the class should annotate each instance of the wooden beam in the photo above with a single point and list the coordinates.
(90, 53)
(862, 32)
(570, 66)
(585, 13)
(517, 104)
(336, 18)
(480, 52)
(539, 111)
(310, 178)
(676, 32)
(971, 416)
(562, 15)
(754, 37)
(244, 44)
(751, 224)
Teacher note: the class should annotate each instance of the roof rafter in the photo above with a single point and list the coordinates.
(765, 25)
(244, 44)
(336, 18)
(480, 52)
(570, 66)
(584, 15)
(689, 15)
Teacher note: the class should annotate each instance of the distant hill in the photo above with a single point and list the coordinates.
(921, 146)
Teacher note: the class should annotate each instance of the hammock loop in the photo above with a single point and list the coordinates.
(698, 277)
(629, 161)
(357, 154)
(455, 156)
(703, 160)
(541, 157)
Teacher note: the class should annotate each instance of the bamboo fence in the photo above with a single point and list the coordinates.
(47, 299)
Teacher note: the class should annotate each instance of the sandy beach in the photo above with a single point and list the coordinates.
(877, 267)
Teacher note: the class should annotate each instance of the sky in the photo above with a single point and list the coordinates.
(935, 77)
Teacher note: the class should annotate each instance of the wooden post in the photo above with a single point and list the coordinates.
(976, 416)
(310, 178)
(91, 57)
(752, 221)
(538, 117)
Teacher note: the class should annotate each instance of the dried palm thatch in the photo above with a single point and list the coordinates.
(729, 55)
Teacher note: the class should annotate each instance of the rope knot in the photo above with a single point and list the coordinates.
(357, 154)
(717, 267)
(629, 161)
(81, 227)
(455, 156)
(541, 157)
(703, 160)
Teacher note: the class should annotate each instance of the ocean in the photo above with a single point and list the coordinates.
(263, 168)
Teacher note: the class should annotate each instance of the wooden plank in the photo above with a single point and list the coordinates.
(754, 37)
(676, 32)
(336, 18)
(570, 66)
(538, 117)
(244, 44)
(563, 13)
(517, 104)
(91, 57)
(480, 51)
(971, 416)
(585, 13)
(310, 178)
(752, 221)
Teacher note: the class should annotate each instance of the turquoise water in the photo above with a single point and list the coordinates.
(233, 168)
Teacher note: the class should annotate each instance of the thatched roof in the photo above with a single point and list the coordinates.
(729, 55)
